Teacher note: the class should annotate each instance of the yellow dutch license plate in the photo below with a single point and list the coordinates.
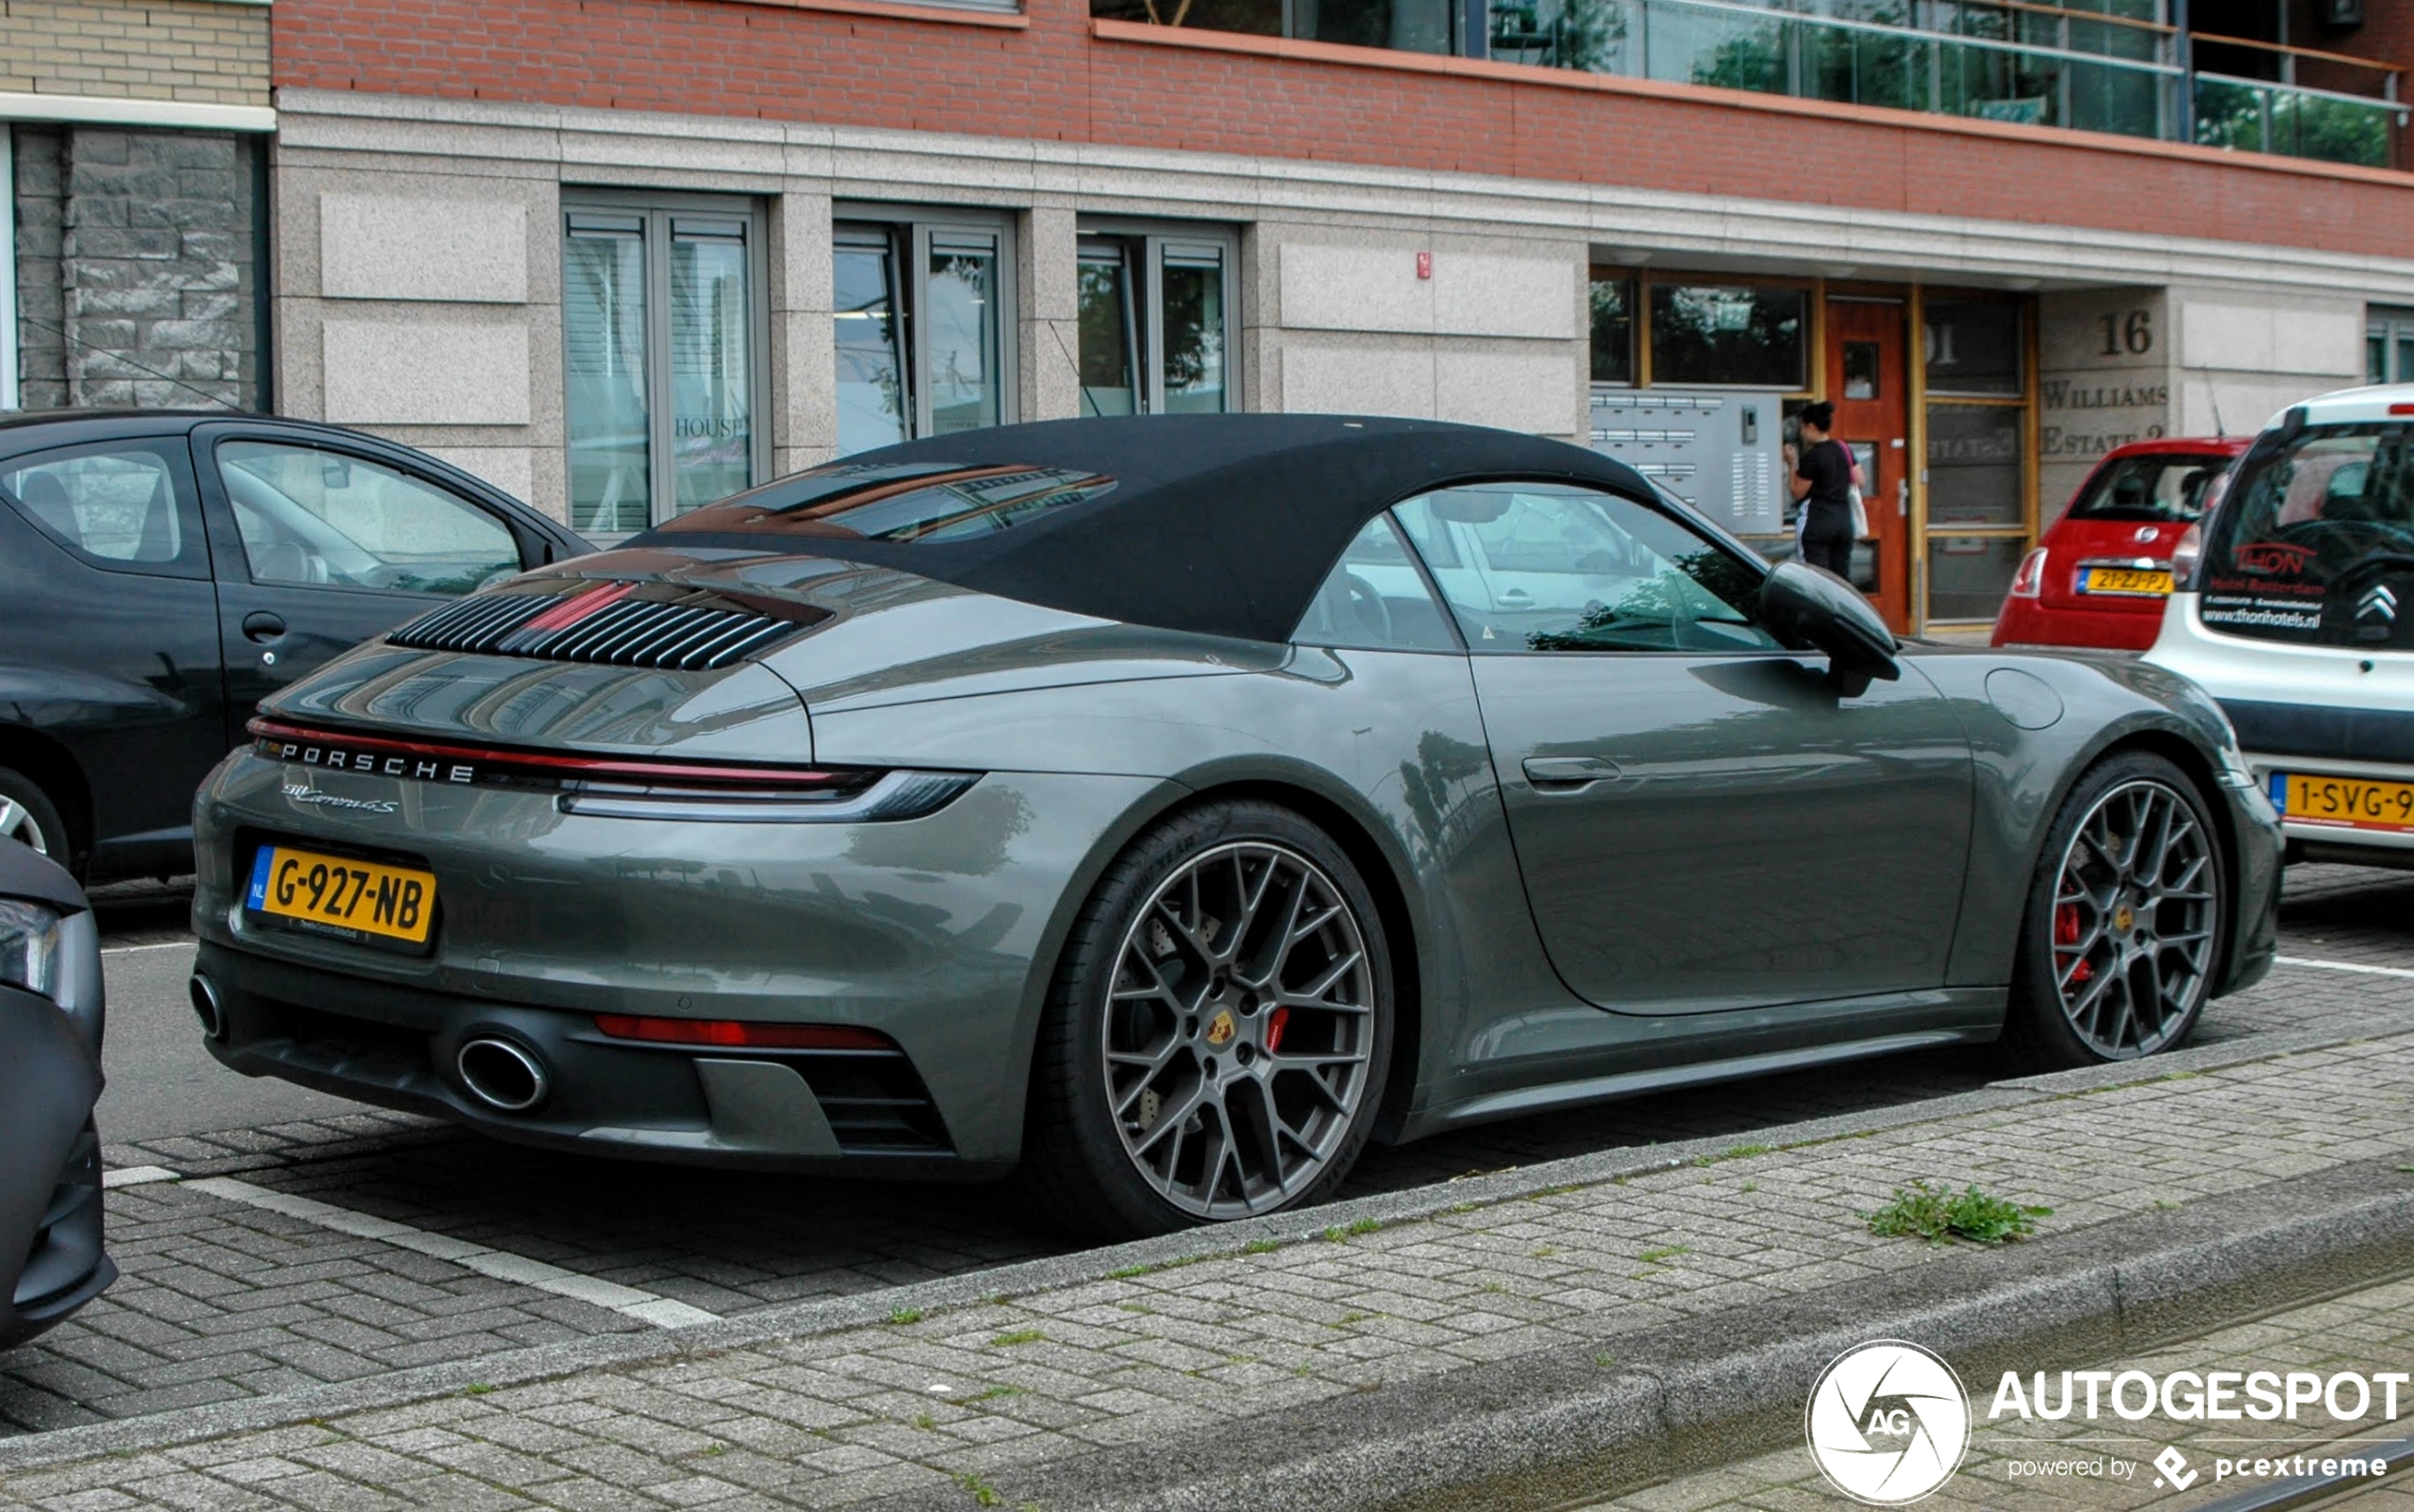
(2136, 582)
(2357, 803)
(342, 892)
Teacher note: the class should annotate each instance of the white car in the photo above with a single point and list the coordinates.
(2295, 609)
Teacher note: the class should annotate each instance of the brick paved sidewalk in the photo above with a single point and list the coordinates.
(1009, 1399)
(2363, 1333)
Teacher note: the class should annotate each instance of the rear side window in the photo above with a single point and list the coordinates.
(2315, 542)
(2150, 489)
(123, 505)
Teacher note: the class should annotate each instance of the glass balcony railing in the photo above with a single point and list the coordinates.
(2111, 65)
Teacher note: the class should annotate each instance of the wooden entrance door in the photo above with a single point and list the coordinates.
(1869, 383)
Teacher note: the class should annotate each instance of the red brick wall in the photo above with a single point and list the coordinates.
(1054, 81)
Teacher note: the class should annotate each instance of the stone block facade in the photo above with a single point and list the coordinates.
(136, 267)
(194, 51)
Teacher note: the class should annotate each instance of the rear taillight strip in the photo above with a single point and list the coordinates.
(440, 761)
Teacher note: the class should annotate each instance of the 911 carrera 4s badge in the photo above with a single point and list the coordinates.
(1221, 1028)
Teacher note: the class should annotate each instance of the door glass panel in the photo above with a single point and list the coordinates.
(1967, 576)
(1106, 320)
(1861, 370)
(1973, 346)
(603, 342)
(871, 392)
(711, 361)
(961, 332)
(314, 517)
(117, 506)
(1554, 568)
(1194, 325)
(1974, 465)
(1375, 600)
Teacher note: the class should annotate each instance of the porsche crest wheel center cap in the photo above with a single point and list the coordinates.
(2124, 918)
(1221, 1028)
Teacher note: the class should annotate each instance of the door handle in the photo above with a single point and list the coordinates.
(260, 625)
(1569, 773)
(1516, 596)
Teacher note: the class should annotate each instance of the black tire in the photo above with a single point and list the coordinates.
(28, 817)
(2110, 967)
(1080, 1161)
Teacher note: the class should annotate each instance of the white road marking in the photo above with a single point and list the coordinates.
(644, 1306)
(136, 1176)
(2357, 968)
(155, 944)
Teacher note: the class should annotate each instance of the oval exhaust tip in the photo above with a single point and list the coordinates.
(502, 1075)
(206, 1007)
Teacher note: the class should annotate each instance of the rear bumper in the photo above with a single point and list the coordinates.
(939, 933)
(2029, 621)
(400, 1047)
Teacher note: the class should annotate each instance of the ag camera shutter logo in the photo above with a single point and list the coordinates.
(1887, 1423)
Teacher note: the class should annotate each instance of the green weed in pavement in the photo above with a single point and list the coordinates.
(1941, 1216)
(1017, 1336)
(982, 1493)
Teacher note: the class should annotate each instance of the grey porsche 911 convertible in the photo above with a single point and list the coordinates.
(1167, 806)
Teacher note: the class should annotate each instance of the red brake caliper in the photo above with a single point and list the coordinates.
(1275, 1023)
(2066, 932)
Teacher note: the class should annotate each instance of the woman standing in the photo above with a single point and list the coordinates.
(1823, 488)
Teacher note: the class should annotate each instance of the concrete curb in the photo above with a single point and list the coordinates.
(519, 1367)
(1539, 1431)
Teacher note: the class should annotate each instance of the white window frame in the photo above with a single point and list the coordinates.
(910, 229)
(655, 213)
(1156, 238)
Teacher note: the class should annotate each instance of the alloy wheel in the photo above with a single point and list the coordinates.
(2133, 915)
(17, 823)
(1239, 1030)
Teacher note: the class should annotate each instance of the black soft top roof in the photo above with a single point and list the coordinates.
(1219, 525)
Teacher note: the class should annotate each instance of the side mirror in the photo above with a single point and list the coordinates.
(1812, 610)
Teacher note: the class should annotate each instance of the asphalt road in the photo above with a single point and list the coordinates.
(333, 1256)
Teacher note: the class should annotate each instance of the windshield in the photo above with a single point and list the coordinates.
(2315, 541)
(2155, 490)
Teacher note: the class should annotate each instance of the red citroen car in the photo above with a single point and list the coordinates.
(2100, 576)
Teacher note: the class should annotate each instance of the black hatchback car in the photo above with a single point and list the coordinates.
(163, 571)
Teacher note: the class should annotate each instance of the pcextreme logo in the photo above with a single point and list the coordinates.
(1887, 1423)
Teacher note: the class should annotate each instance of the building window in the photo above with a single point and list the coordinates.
(1155, 323)
(1738, 335)
(1613, 304)
(2390, 346)
(662, 345)
(925, 328)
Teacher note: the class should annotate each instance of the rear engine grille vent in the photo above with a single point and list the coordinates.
(621, 624)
